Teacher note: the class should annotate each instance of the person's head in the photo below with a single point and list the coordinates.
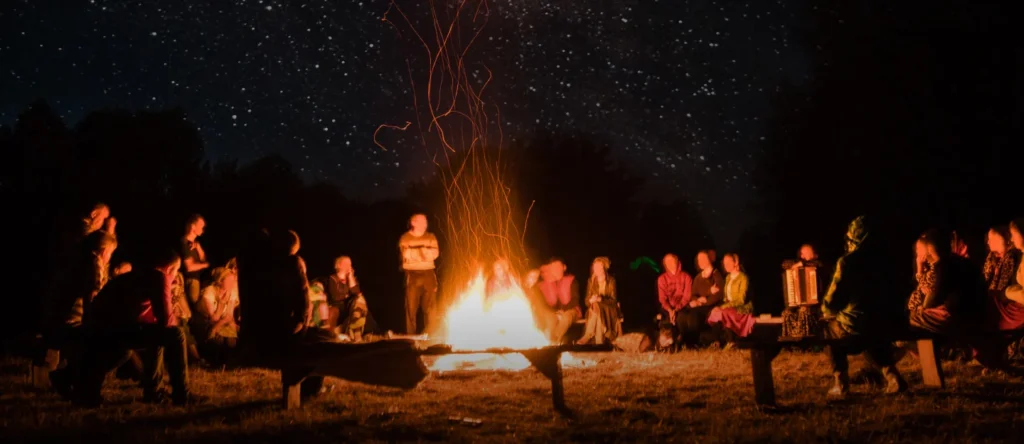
(703, 261)
(998, 239)
(195, 225)
(342, 265)
(556, 268)
(807, 252)
(671, 263)
(97, 216)
(168, 263)
(418, 223)
(599, 268)
(293, 243)
(920, 248)
(935, 244)
(856, 233)
(224, 278)
(1016, 229)
(500, 269)
(731, 262)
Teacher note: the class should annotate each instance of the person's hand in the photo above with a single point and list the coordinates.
(714, 288)
(672, 316)
(796, 265)
(594, 299)
(702, 300)
(693, 304)
(110, 224)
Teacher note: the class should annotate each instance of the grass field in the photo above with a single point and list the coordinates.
(690, 396)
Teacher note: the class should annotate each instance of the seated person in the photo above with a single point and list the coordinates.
(674, 292)
(348, 311)
(734, 317)
(275, 317)
(217, 305)
(603, 316)
(134, 312)
(561, 306)
(706, 295)
(859, 311)
(498, 283)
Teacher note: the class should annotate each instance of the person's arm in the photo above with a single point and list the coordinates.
(161, 301)
(687, 291)
(299, 303)
(209, 304)
(611, 293)
(930, 287)
(835, 300)
(740, 297)
(432, 251)
(574, 296)
(664, 297)
(192, 265)
(718, 284)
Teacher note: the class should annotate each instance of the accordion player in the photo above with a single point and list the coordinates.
(802, 316)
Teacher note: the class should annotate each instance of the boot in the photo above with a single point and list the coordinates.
(894, 383)
(841, 388)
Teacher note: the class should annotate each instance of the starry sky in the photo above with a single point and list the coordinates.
(681, 90)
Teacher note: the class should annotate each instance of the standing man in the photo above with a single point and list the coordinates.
(419, 250)
(193, 258)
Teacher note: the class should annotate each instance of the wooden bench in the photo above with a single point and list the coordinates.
(767, 341)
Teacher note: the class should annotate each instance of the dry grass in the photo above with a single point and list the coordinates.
(690, 396)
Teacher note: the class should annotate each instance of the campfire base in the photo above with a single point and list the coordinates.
(547, 360)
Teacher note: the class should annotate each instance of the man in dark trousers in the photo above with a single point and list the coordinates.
(133, 312)
(419, 249)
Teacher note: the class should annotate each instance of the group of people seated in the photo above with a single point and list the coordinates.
(159, 315)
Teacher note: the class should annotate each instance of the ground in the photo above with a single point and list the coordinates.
(686, 397)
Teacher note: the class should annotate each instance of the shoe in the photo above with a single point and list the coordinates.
(841, 388)
(187, 398)
(894, 382)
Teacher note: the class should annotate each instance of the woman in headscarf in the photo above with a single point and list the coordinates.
(734, 317)
(603, 316)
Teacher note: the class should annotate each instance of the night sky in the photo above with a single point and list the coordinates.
(681, 89)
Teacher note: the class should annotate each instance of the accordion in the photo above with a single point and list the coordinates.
(800, 286)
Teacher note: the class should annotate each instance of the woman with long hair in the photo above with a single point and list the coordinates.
(217, 307)
(734, 318)
(603, 316)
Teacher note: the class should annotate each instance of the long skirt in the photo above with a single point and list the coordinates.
(740, 323)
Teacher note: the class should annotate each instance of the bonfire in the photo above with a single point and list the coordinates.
(504, 321)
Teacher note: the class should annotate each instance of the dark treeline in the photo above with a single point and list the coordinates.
(909, 116)
(149, 167)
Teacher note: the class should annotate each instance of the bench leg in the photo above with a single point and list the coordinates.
(931, 368)
(557, 389)
(764, 383)
(291, 389)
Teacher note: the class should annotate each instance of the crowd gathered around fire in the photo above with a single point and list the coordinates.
(150, 321)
